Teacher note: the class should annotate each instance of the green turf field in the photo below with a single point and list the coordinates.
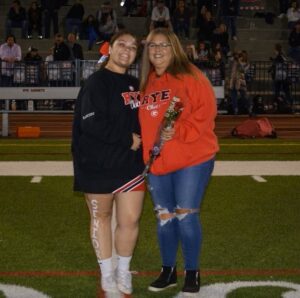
(251, 229)
(231, 149)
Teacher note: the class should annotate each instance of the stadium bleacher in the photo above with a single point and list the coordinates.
(251, 31)
(254, 35)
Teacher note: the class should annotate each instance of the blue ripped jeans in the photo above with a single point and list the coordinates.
(182, 190)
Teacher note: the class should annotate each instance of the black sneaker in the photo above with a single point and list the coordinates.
(191, 282)
(166, 279)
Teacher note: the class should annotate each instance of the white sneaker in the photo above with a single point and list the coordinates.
(108, 283)
(124, 281)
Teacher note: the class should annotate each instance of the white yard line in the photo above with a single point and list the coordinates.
(259, 178)
(36, 179)
(222, 168)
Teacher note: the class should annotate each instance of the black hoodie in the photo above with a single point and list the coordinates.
(105, 118)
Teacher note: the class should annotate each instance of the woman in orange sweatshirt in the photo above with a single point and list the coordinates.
(179, 175)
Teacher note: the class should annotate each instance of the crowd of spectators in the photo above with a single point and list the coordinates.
(42, 16)
(213, 25)
(282, 64)
(214, 22)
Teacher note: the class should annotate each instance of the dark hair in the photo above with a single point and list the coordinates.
(121, 33)
(10, 35)
(72, 33)
(115, 37)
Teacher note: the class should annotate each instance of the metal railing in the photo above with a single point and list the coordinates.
(277, 84)
(60, 74)
(49, 74)
(68, 73)
(264, 78)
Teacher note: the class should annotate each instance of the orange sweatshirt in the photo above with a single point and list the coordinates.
(194, 141)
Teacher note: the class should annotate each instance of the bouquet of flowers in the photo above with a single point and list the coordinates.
(171, 115)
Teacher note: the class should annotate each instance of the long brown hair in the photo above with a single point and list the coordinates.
(115, 37)
(179, 64)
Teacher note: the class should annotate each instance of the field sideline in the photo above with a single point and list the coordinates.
(222, 168)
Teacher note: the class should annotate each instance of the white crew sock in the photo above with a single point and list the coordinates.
(106, 266)
(123, 263)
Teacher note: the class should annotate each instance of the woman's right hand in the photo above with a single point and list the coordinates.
(167, 133)
(136, 142)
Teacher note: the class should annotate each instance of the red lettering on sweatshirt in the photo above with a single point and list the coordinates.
(131, 98)
(155, 97)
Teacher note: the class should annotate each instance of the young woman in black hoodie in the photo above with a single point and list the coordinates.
(107, 159)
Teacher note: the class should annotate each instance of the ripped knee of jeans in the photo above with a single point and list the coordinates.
(181, 213)
(163, 215)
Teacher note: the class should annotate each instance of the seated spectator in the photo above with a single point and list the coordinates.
(294, 43)
(107, 21)
(217, 47)
(10, 52)
(34, 20)
(217, 61)
(181, 19)
(160, 16)
(207, 28)
(75, 48)
(202, 52)
(74, 17)
(61, 51)
(33, 55)
(293, 14)
(221, 36)
(90, 30)
(16, 18)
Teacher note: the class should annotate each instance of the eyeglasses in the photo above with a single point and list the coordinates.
(162, 46)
